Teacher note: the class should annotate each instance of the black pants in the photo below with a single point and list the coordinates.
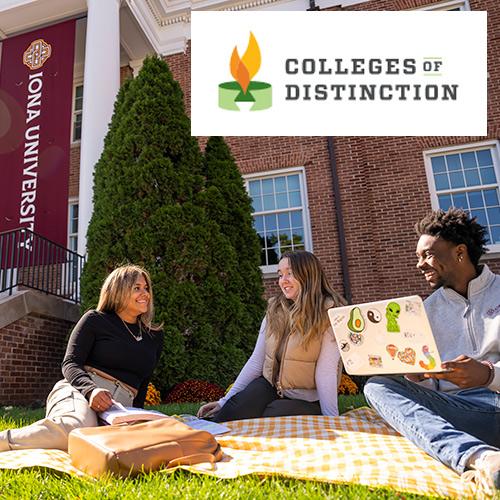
(260, 399)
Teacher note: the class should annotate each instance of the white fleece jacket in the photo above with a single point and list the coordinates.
(469, 326)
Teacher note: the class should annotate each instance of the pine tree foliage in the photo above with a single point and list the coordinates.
(228, 204)
(150, 209)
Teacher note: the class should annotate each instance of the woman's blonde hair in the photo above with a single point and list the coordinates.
(307, 315)
(117, 288)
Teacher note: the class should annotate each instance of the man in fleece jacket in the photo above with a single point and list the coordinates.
(453, 416)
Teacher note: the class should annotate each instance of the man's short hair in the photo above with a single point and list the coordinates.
(456, 226)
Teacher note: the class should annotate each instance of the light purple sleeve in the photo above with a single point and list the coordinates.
(326, 375)
(253, 367)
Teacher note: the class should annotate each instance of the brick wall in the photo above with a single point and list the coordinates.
(382, 179)
(383, 184)
(31, 352)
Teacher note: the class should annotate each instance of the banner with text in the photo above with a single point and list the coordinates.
(338, 73)
(36, 87)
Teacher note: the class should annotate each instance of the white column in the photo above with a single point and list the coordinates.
(101, 82)
(136, 66)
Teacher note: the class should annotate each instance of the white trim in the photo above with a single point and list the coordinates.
(270, 271)
(493, 145)
(462, 147)
(72, 200)
(447, 5)
(76, 83)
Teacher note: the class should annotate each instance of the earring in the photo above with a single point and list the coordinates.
(460, 258)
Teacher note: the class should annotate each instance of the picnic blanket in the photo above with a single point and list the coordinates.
(357, 447)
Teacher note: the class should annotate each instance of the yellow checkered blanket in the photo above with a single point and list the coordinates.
(357, 447)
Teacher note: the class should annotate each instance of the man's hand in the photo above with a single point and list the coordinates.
(464, 372)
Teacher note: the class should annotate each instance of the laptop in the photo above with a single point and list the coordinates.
(385, 337)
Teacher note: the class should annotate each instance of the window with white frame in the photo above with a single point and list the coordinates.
(468, 178)
(447, 5)
(73, 225)
(77, 113)
(281, 219)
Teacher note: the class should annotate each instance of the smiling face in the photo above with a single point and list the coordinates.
(439, 261)
(137, 302)
(288, 284)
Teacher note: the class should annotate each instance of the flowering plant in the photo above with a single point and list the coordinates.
(193, 391)
(347, 385)
(153, 396)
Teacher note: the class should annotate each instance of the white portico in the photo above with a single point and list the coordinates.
(113, 34)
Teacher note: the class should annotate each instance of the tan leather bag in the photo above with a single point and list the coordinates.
(127, 450)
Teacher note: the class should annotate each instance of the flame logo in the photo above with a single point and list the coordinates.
(244, 93)
(245, 68)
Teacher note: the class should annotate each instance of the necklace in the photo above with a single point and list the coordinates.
(138, 337)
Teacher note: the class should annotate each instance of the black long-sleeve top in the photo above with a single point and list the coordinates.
(102, 341)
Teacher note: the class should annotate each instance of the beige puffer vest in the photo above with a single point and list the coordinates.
(298, 365)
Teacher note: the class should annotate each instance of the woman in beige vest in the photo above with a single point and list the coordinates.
(294, 367)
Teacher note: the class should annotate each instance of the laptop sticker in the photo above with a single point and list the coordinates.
(432, 362)
(392, 312)
(392, 350)
(356, 338)
(374, 316)
(356, 321)
(375, 361)
(407, 356)
(412, 307)
(344, 346)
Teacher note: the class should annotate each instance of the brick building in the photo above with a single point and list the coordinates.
(351, 200)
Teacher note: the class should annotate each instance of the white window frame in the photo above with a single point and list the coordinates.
(270, 271)
(74, 112)
(447, 5)
(493, 145)
(70, 274)
(71, 201)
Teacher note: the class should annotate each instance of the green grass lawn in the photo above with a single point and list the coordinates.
(43, 484)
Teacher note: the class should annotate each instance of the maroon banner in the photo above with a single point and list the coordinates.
(36, 88)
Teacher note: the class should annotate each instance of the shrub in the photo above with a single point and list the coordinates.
(151, 207)
(194, 391)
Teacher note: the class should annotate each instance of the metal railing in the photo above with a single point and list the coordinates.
(30, 260)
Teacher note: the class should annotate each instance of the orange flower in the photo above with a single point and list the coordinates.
(347, 385)
(153, 396)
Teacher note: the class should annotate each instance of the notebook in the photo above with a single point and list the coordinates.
(386, 337)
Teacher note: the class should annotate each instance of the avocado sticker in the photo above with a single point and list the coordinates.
(392, 312)
(356, 322)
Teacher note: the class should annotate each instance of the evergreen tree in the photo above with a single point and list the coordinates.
(228, 204)
(149, 210)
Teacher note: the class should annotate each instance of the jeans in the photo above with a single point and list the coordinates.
(449, 427)
(260, 399)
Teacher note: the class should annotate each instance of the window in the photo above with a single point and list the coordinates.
(77, 113)
(468, 178)
(280, 214)
(447, 5)
(73, 226)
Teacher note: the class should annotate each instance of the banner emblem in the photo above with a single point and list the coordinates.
(233, 94)
(37, 54)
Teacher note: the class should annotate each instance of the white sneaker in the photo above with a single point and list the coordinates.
(485, 473)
